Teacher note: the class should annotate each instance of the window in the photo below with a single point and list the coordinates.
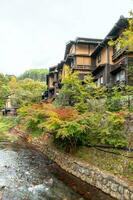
(117, 76)
(120, 76)
(99, 81)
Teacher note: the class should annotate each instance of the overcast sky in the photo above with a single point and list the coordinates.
(33, 33)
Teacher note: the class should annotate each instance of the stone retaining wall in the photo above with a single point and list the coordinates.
(104, 181)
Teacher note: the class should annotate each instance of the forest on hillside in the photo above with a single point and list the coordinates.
(25, 89)
(35, 74)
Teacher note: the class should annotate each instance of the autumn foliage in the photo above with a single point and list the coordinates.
(70, 128)
(66, 113)
(95, 117)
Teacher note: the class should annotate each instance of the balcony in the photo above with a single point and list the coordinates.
(97, 69)
(118, 53)
(116, 67)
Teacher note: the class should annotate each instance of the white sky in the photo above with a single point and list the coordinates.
(33, 33)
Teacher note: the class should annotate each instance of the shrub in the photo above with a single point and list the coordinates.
(33, 116)
(71, 128)
(87, 129)
(113, 131)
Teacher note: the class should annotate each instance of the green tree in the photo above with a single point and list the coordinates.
(35, 74)
(4, 89)
(26, 91)
(69, 94)
(84, 95)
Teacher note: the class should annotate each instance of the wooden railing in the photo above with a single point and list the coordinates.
(83, 67)
(118, 53)
(121, 63)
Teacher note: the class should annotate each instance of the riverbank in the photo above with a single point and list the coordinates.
(97, 169)
(107, 182)
(26, 173)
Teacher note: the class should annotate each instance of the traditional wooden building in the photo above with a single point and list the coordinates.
(109, 65)
(54, 79)
(78, 55)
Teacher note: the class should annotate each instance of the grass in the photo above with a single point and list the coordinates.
(116, 164)
(36, 133)
(5, 124)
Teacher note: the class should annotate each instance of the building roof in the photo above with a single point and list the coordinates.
(120, 25)
(68, 47)
(60, 65)
(81, 40)
(52, 69)
(88, 40)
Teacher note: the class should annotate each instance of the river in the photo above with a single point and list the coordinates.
(25, 174)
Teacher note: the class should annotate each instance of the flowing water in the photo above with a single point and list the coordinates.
(26, 174)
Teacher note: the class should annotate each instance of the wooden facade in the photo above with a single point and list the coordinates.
(111, 67)
(107, 64)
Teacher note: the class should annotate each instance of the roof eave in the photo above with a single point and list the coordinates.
(120, 24)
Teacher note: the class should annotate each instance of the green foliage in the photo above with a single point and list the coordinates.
(81, 94)
(114, 98)
(114, 161)
(81, 117)
(86, 114)
(25, 91)
(113, 130)
(70, 135)
(5, 124)
(71, 128)
(33, 117)
(119, 98)
(69, 94)
(4, 89)
(93, 124)
(130, 167)
(35, 74)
